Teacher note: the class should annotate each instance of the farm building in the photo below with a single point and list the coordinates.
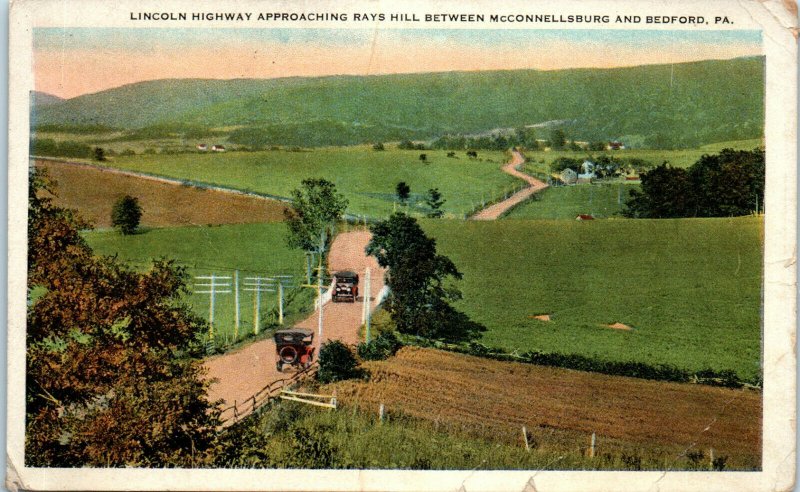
(587, 169)
(615, 145)
(568, 176)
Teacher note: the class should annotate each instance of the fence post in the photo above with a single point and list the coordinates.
(525, 438)
(591, 449)
(280, 302)
(211, 311)
(711, 459)
(236, 296)
(381, 412)
(257, 307)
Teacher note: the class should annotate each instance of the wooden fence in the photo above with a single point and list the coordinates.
(239, 410)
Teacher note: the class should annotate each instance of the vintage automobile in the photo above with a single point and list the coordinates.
(294, 348)
(345, 286)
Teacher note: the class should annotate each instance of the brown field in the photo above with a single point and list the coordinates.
(93, 192)
(562, 408)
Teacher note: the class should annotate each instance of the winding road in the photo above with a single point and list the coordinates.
(494, 212)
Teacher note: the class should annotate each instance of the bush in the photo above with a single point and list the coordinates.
(126, 214)
(337, 363)
(383, 347)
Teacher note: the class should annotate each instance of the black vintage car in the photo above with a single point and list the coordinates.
(345, 286)
(294, 348)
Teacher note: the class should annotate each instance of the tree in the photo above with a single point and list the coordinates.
(113, 371)
(126, 214)
(316, 207)
(403, 191)
(434, 201)
(423, 157)
(311, 218)
(558, 138)
(729, 183)
(666, 192)
(406, 145)
(419, 296)
(337, 362)
(597, 146)
(99, 154)
(726, 184)
(562, 163)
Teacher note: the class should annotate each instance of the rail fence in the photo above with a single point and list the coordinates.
(236, 412)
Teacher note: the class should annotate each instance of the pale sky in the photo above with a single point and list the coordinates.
(75, 61)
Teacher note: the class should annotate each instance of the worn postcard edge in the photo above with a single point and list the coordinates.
(777, 19)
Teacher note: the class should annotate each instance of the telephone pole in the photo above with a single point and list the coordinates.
(214, 288)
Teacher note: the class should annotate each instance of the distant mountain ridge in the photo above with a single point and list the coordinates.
(679, 104)
(44, 99)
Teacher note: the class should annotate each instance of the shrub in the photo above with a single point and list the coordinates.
(126, 214)
(378, 146)
(337, 363)
(383, 347)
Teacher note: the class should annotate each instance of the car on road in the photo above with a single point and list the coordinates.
(294, 348)
(345, 286)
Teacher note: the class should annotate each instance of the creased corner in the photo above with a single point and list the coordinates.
(530, 486)
(14, 482)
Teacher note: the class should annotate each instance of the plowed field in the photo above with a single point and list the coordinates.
(93, 191)
(562, 408)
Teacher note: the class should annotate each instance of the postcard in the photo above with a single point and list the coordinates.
(465, 246)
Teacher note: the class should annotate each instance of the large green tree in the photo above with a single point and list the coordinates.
(420, 295)
(113, 371)
(311, 218)
(315, 209)
(727, 184)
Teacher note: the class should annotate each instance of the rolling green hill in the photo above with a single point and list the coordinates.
(683, 105)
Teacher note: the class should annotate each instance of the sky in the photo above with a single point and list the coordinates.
(69, 62)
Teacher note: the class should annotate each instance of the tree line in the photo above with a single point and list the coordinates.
(730, 183)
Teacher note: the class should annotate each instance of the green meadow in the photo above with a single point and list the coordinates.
(254, 250)
(366, 177)
(690, 288)
(567, 202)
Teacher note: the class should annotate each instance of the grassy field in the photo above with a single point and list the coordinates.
(252, 249)
(561, 408)
(93, 192)
(566, 202)
(290, 435)
(366, 177)
(734, 144)
(690, 288)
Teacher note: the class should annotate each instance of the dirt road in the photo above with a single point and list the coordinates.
(242, 373)
(495, 211)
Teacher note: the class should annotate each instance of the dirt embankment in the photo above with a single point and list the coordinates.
(493, 212)
(92, 191)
